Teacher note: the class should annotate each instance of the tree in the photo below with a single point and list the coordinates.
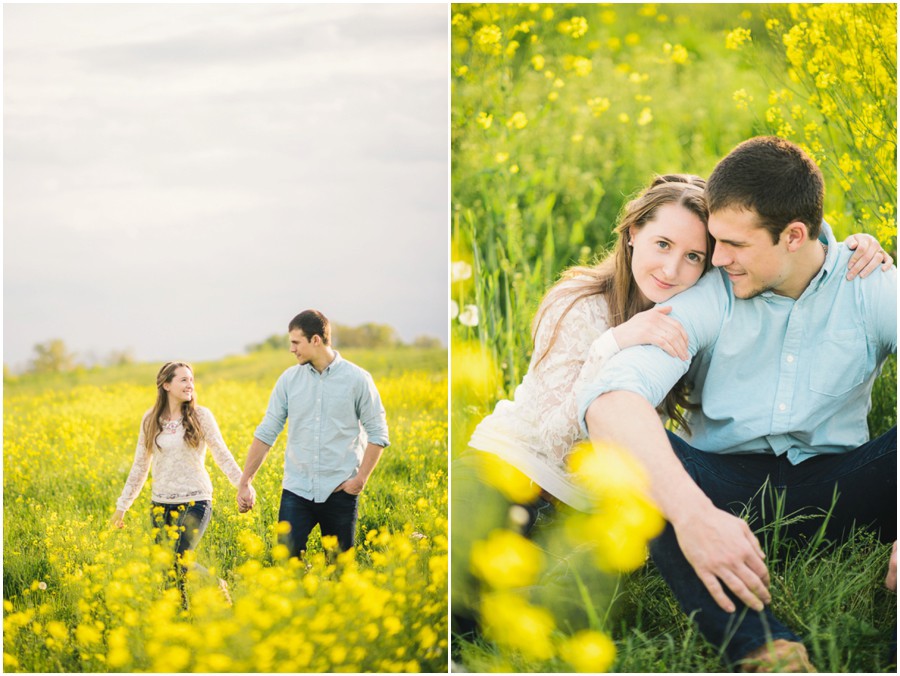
(277, 341)
(368, 335)
(52, 357)
(425, 342)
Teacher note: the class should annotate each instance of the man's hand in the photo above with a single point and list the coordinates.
(868, 255)
(722, 548)
(246, 497)
(352, 486)
(891, 580)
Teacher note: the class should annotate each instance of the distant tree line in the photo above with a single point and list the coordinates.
(53, 356)
(369, 335)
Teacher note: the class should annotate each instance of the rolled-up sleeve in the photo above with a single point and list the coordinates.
(648, 370)
(276, 414)
(371, 414)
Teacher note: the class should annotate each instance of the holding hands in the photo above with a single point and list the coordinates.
(654, 327)
(246, 497)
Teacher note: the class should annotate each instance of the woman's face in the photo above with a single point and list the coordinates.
(668, 253)
(181, 387)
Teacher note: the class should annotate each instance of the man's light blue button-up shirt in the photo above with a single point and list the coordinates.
(772, 374)
(332, 416)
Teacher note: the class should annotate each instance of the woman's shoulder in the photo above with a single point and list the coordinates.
(578, 292)
(204, 413)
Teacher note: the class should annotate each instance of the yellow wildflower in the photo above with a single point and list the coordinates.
(506, 559)
(589, 651)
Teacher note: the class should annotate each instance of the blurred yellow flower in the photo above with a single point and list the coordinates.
(513, 622)
(518, 120)
(487, 39)
(645, 117)
(737, 38)
(588, 651)
(576, 27)
(742, 99)
(515, 485)
(537, 62)
(506, 560)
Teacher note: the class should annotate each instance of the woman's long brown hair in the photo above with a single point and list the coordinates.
(613, 278)
(152, 426)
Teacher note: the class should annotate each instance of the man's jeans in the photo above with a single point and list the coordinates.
(864, 480)
(336, 516)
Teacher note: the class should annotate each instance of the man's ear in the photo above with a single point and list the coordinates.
(795, 235)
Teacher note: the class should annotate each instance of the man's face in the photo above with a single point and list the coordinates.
(301, 347)
(745, 250)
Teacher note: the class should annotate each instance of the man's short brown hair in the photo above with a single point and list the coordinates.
(312, 323)
(774, 178)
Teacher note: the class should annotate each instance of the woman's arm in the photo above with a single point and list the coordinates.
(140, 468)
(213, 437)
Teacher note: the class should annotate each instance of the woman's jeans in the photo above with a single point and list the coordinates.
(864, 482)
(187, 522)
(336, 516)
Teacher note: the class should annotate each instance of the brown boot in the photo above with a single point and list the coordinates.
(779, 656)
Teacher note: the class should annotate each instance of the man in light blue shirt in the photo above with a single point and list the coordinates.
(784, 354)
(336, 434)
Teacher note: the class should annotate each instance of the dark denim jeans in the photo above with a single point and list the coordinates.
(864, 481)
(336, 516)
(191, 520)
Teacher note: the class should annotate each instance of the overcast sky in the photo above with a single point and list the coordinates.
(181, 180)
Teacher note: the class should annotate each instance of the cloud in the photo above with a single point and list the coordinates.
(237, 151)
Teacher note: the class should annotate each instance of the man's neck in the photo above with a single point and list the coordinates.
(808, 264)
(321, 362)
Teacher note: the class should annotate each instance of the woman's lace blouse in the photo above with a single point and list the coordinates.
(537, 429)
(179, 472)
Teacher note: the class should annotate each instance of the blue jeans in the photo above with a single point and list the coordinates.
(336, 516)
(865, 481)
(191, 519)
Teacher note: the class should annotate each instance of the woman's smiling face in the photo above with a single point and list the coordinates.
(668, 253)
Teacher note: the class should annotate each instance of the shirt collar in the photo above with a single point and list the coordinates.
(826, 237)
(334, 362)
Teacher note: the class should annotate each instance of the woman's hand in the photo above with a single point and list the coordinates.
(118, 519)
(654, 327)
(868, 255)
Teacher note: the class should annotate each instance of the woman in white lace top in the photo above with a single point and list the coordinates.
(173, 438)
(663, 247)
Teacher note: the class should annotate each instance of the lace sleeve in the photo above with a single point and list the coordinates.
(139, 471)
(213, 437)
(582, 338)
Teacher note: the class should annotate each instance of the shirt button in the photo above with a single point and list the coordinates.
(790, 359)
(782, 407)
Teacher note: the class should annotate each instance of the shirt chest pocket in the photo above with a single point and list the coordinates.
(839, 362)
(339, 410)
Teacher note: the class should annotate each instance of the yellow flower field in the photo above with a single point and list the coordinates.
(79, 596)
